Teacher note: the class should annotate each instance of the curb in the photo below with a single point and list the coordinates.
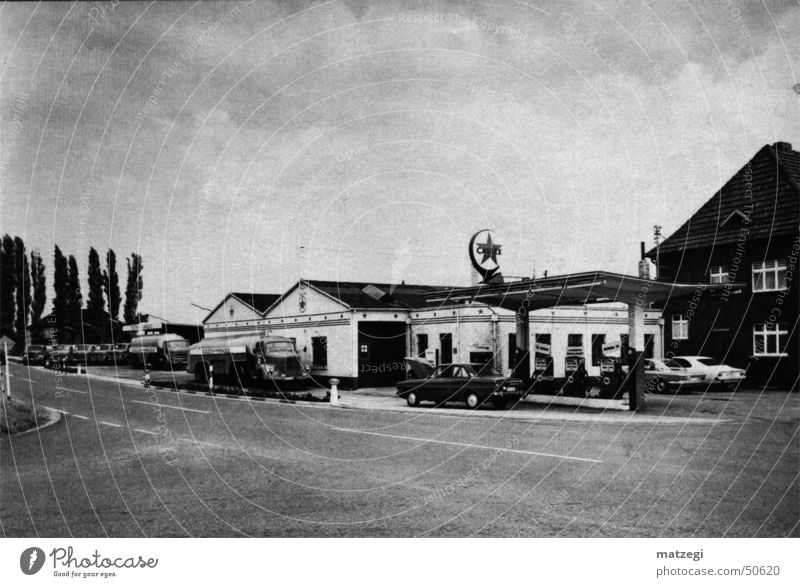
(606, 416)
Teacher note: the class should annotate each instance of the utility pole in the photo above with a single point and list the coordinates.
(7, 374)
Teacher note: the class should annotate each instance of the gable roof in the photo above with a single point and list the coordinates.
(367, 295)
(766, 191)
(259, 303)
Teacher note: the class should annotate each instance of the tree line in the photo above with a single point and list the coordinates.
(23, 296)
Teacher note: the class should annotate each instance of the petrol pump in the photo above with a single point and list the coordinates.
(613, 375)
(576, 382)
(543, 364)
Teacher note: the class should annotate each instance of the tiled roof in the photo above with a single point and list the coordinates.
(259, 302)
(378, 295)
(771, 202)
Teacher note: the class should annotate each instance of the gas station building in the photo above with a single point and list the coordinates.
(551, 332)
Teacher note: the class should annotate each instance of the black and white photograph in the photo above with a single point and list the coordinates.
(492, 273)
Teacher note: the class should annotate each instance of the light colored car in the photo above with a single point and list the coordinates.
(663, 375)
(713, 371)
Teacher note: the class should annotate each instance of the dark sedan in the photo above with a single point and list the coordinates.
(81, 353)
(458, 382)
(60, 354)
(34, 354)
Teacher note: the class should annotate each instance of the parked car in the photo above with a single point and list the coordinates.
(470, 383)
(101, 354)
(34, 354)
(712, 371)
(120, 352)
(663, 375)
(60, 354)
(81, 353)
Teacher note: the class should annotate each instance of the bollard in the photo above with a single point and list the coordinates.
(211, 378)
(334, 391)
(78, 369)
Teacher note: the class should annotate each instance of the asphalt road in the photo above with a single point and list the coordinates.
(125, 461)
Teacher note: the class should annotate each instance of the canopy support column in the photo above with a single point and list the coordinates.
(522, 359)
(636, 401)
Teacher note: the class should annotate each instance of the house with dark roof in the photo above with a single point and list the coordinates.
(747, 236)
(360, 332)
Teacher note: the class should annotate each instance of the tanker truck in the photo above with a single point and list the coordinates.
(160, 351)
(251, 358)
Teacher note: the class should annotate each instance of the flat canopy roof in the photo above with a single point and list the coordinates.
(573, 289)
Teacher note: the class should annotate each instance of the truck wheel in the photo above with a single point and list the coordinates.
(412, 399)
(471, 400)
(662, 386)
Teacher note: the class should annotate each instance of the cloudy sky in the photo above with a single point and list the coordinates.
(239, 146)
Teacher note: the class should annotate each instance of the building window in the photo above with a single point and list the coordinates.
(769, 339)
(719, 274)
(680, 327)
(422, 345)
(512, 350)
(575, 344)
(769, 276)
(598, 340)
(319, 351)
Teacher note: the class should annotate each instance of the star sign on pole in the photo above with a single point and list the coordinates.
(489, 250)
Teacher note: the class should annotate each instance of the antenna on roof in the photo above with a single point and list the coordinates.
(657, 239)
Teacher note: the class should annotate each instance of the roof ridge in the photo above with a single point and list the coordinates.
(683, 236)
(773, 150)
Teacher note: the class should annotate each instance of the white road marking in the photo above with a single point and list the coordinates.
(141, 431)
(468, 445)
(81, 417)
(25, 379)
(193, 441)
(65, 412)
(136, 401)
(59, 388)
(110, 424)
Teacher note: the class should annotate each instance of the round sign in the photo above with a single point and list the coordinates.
(484, 248)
